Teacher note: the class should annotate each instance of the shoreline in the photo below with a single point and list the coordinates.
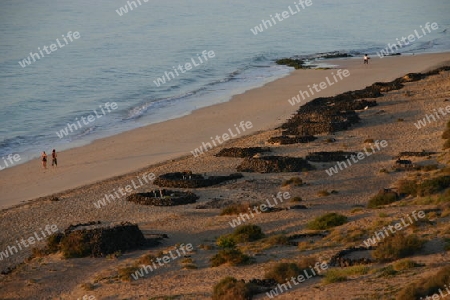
(129, 152)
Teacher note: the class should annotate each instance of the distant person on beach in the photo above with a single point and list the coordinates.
(54, 160)
(366, 59)
(44, 160)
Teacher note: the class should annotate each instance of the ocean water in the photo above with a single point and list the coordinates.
(118, 58)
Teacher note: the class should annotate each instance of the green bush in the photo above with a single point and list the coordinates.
(382, 198)
(427, 286)
(226, 241)
(281, 271)
(231, 256)
(247, 233)
(397, 246)
(229, 288)
(326, 221)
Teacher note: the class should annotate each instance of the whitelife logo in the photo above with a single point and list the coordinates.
(319, 87)
(187, 66)
(50, 229)
(411, 39)
(281, 17)
(258, 209)
(204, 147)
(86, 120)
(27, 61)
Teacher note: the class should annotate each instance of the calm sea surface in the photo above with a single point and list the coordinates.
(118, 58)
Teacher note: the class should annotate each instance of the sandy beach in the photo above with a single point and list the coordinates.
(86, 174)
(266, 107)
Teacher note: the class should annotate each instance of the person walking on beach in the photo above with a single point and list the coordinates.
(366, 59)
(54, 160)
(44, 160)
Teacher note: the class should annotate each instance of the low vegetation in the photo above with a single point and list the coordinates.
(341, 274)
(280, 272)
(229, 288)
(237, 208)
(382, 198)
(230, 256)
(294, 181)
(427, 286)
(327, 221)
(398, 246)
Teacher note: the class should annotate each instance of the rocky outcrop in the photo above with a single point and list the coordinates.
(342, 259)
(274, 164)
(242, 152)
(96, 240)
(163, 198)
(188, 180)
(417, 154)
(286, 140)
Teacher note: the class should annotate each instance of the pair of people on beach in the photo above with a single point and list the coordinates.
(44, 159)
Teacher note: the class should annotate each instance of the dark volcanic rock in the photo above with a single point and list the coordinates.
(331, 114)
(189, 180)
(340, 259)
(91, 239)
(163, 198)
(274, 164)
(285, 140)
(298, 206)
(242, 152)
(418, 154)
(312, 121)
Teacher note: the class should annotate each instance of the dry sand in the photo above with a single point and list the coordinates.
(265, 107)
(52, 277)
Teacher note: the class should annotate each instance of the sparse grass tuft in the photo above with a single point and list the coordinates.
(323, 193)
(397, 246)
(296, 199)
(294, 181)
(279, 239)
(281, 271)
(404, 264)
(237, 208)
(425, 287)
(382, 198)
(340, 274)
(327, 221)
(229, 288)
(124, 273)
(231, 256)
(247, 233)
